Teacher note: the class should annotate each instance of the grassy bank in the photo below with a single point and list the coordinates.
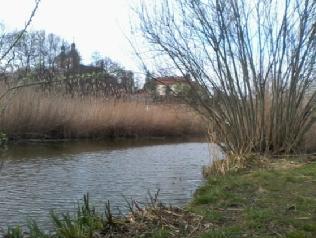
(273, 198)
(34, 114)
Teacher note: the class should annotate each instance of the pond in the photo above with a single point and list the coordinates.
(36, 178)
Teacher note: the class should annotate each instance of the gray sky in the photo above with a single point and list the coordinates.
(94, 25)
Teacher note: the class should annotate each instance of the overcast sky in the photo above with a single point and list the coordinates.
(94, 25)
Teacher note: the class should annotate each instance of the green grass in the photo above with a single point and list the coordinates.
(160, 233)
(275, 202)
(14, 232)
(83, 224)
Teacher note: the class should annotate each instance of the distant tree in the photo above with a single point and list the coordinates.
(54, 44)
(34, 55)
(10, 47)
(123, 77)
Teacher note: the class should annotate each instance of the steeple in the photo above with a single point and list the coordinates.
(74, 57)
(62, 49)
(62, 56)
(73, 46)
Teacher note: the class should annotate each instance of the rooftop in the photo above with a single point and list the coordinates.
(169, 80)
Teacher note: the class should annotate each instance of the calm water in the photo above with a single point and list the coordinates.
(38, 178)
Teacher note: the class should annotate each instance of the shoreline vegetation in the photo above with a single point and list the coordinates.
(256, 197)
(251, 72)
(32, 114)
(265, 199)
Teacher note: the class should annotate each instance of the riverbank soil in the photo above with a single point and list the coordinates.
(275, 199)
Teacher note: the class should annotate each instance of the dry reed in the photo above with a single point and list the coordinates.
(33, 114)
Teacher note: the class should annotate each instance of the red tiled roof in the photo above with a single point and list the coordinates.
(170, 80)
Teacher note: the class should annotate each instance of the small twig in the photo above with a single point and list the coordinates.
(26, 85)
(22, 32)
(108, 213)
(137, 206)
(153, 199)
(130, 204)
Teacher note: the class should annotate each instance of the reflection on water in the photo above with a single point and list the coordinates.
(40, 177)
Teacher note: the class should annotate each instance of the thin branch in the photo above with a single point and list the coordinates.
(37, 2)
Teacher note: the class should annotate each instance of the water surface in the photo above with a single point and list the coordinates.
(37, 178)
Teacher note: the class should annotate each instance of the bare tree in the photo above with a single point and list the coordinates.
(254, 62)
(21, 33)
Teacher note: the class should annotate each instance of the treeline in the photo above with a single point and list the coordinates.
(35, 50)
(39, 56)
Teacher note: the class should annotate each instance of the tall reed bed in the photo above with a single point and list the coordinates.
(29, 113)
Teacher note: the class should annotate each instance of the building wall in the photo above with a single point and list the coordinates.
(161, 90)
(177, 88)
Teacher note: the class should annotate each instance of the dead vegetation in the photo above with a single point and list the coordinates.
(254, 65)
(151, 220)
(157, 219)
(34, 114)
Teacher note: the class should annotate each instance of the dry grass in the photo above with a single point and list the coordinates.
(310, 140)
(33, 114)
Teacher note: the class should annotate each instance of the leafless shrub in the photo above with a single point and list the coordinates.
(254, 62)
